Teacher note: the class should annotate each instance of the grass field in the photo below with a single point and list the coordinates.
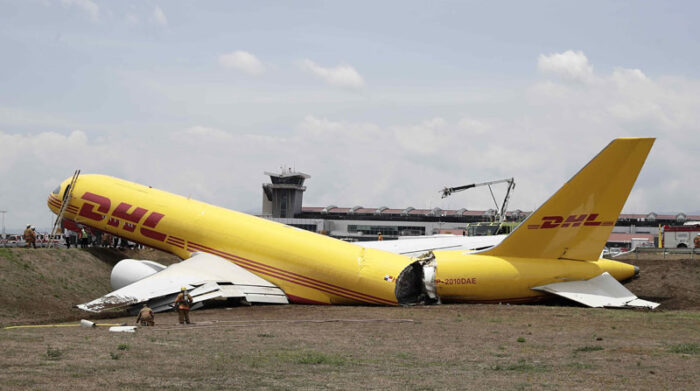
(340, 348)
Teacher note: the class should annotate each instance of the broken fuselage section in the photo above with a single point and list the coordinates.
(416, 283)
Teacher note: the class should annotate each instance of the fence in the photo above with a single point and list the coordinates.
(663, 252)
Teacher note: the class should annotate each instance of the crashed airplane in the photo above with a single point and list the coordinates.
(227, 254)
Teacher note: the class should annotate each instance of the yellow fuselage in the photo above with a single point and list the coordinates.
(481, 278)
(308, 267)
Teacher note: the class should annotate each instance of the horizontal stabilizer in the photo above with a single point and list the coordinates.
(206, 277)
(600, 291)
(420, 245)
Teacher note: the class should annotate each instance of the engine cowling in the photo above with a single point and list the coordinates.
(128, 271)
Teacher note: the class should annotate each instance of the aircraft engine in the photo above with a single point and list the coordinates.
(128, 271)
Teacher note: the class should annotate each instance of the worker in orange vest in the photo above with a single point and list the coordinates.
(183, 303)
(380, 237)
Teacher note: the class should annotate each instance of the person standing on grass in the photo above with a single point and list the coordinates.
(183, 302)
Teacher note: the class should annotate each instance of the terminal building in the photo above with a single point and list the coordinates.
(282, 201)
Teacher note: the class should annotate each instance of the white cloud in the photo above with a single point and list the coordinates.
(92, 9)
(424, 138)
(625, 76)
(159, 16)
(320, 126)
(209, 134)
(473, 126)
(36, 163)
(53, 152)
(570, 65)
(323, 127)
(242, 61)
(340, 76)
(626, 103)
(132, 19)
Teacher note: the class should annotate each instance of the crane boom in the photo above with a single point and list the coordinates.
(501, 212)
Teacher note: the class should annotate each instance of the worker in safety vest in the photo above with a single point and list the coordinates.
(83, 238)
(29, 236)
(146, 316)
(183, 303)
(380, 237)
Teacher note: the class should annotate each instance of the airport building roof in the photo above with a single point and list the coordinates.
(411, 213)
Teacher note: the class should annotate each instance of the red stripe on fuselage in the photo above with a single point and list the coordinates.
(175, 244)
(291, 277)
(272, 268)
(286, 277)
(365, 297)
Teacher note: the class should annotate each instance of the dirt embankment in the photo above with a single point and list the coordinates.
(675, 283)
(42, 285)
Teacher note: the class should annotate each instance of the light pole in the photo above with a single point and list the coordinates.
(3, 223)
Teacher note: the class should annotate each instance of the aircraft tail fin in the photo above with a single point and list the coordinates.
(576, 221)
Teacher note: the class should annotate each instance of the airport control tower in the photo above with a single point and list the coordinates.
(282, 197)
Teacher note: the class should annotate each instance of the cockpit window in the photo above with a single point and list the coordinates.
(57, 190)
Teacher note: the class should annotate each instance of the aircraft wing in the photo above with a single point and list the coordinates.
(205, 276)
(419, 245)
(600, 291)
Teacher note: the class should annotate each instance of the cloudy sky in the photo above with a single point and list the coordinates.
(381, 103)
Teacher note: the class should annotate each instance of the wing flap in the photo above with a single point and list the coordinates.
(600, 291)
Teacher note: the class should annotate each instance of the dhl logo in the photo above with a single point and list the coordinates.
(121, 214)
(587, 220)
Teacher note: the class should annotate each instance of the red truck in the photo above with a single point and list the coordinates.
(684, 236)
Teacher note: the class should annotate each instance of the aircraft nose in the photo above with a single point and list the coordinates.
(54, 202)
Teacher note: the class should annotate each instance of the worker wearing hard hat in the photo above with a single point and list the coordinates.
(146, 317)
(30, 236)
(183, 302)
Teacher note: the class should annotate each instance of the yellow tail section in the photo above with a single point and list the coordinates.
(576, 221)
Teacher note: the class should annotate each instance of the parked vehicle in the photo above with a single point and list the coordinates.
(46, 240)
(679, 236)
(11, 240)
